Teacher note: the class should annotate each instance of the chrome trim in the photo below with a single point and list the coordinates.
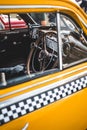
(36, 84)
(40, 90)
(59, 43)
(29, 6)
(4, 7)
(82, 21)
(74, 63)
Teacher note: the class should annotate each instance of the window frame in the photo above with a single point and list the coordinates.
(22, 79)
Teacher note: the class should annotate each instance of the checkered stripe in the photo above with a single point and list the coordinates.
(31, 104)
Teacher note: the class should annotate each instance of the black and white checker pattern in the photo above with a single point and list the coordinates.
(31, 104)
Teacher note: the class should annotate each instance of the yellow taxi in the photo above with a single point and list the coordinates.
(43, 68)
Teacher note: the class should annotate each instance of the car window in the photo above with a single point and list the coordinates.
(33, 48)
(28, 46)
(74, 43)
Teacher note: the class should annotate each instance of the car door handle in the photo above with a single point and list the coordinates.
(26, 126)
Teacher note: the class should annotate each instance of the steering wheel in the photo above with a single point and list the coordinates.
(43, 55)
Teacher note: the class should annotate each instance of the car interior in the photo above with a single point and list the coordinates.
(29, 49)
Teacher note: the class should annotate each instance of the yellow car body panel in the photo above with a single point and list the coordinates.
(68, 112)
